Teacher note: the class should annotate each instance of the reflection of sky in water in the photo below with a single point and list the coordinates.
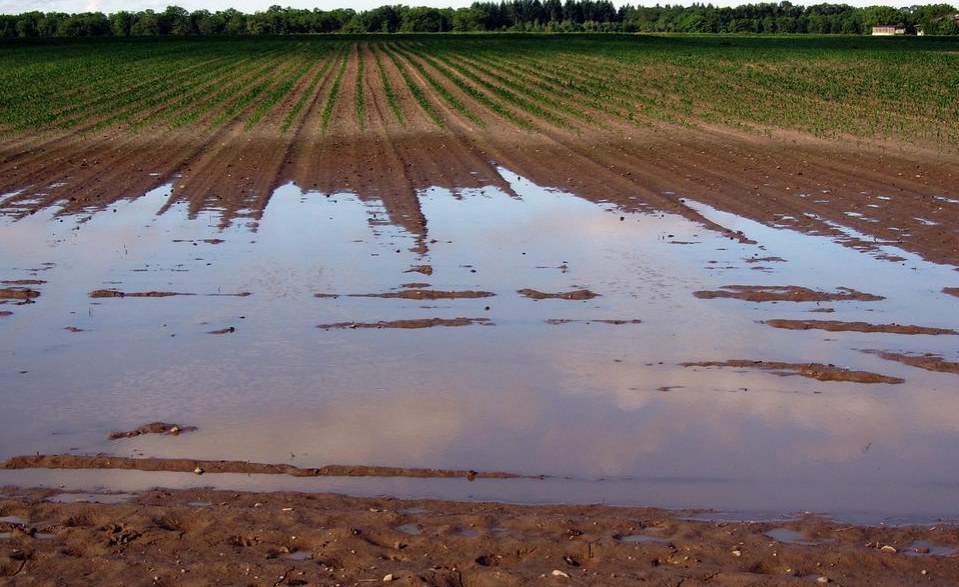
(572, 399)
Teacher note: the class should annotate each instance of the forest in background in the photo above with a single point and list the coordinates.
(506, 16)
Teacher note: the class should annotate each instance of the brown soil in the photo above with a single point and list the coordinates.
(579, 294)
(112, 293)
(424, 269)
(427, 294)
(413, 324)
(953, 291)
(812, 370)
(927, 361)
(18, 293)
(785, 293)
(152, 428)
(557, 321)
(202, 466)
(203, 537)
(838, 326)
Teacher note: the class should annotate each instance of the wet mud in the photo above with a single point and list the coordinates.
(839, 326)
(18, 293)
(152, 428)
(927, 361)
(558, 321)
(410, 324)
(816, 371)
(579, 294)
(427, 294)
(202, 536)
(784, 293)
(200, 466)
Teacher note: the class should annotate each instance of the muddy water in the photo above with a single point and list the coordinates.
(553, 386)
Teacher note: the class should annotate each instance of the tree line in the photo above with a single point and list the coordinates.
(511, 15)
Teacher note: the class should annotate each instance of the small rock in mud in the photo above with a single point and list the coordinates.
(74, 329)
(152, 428)
(227, 330)
(579, 294)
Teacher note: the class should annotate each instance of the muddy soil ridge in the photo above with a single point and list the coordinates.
(840, 326)
(818, 371)
(412, 324)
(203, 536)
(200, 466)
(927, 361)
(785, 293)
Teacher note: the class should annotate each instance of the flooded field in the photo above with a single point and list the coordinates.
(632, 358)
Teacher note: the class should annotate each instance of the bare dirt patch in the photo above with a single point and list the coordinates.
(927, 361)
(953, 291)
(202, 536)
(839, 326)
(579, 294)
(410, 324)
(817, 371)
(785, 293)
(152, 428)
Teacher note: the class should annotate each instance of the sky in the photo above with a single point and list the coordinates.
(18, 6)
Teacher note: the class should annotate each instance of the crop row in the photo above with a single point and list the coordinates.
(859, 87)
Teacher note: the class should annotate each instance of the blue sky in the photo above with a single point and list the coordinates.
(17, 6)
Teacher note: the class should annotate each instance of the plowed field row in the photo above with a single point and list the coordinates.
(742, 123)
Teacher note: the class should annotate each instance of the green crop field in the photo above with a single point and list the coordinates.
(900, 88)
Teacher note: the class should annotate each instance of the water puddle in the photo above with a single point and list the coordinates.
(410, 529)
(104, 498)
(787, 536)
(641, 539)
(927, 548)
(541, 377)
(299, 555)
